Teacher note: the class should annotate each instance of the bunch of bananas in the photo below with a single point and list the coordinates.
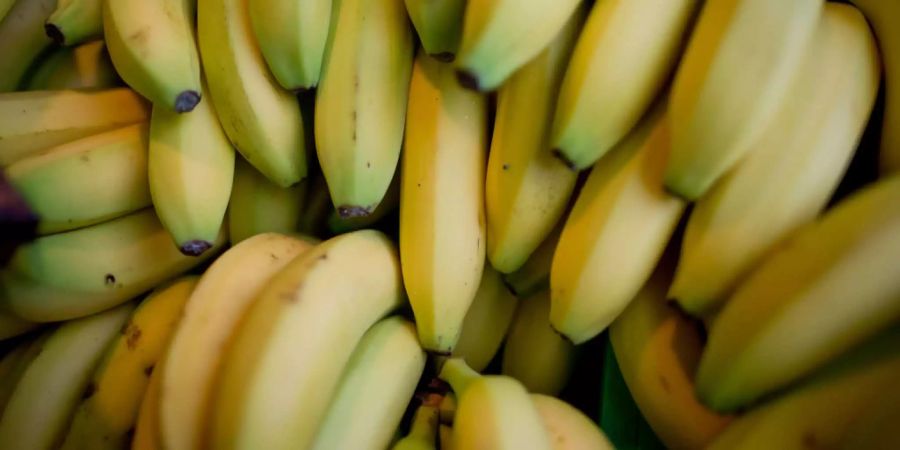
(249, 224)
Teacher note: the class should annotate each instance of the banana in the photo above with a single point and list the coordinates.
(17, 361)
(361, 102)
(616, 71)
(388, 356)
(657, 350)
(190, 171)
(423, 431)
(87, 181)
(86, 66)
(501, 36)
(222, 297)
(338, 224)
(76, 273)
(447, 408)
(46, 395)
(439, 26)
(11, 326)
(104, 419)
(33, 121)
(495, 411)
(445, 437)
(76, 21)
(317, 207)
(824, 411)
(261, 119)
(146, 428)
(292, 37)
(615, 234)
(5, 6)
(874, 429)
(526, 188)
(441, 216)
(152, 47)
(791, 171)
(22, 40)
(534, 275)
(569, 428)
(257, 205)
(534, 354)
(284, 366)
(792, 315)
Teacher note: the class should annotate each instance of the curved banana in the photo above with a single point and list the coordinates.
(569, 428)
(261, 119)
(190, 170)
(273, 393)
(11, 326)
(22, 40)
(439, 26)
(617, 69)
(388, 356)
(48, 392)
(76, 21)
(80, 272)
(87, 181)
(792, 170)
(257, 205)
(146, 427)
(86, 66)
(17, 361)
(152, 47)
(442, 194)
(218, 303)
(620, 418)
(534, 275)
(534, 354)
(104, 419)
(33, 121)
(423, 431)
(615, 234)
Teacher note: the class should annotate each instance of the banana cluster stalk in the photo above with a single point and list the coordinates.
(22, 40)
(86, 66)
(75, 21)
(292, 35)
(439, 26)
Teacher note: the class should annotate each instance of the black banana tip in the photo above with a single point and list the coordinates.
(562, 335)
(468, 80)
(348, 211)
(444, 56)
(195, 247)
(187, 101)
(565, 160)
(54, 33)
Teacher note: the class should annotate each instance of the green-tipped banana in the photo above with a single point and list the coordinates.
(439, 26)
(22, 40)
(11, 326)
(190, 170)
(76, 21)
(292, 37)
(104, 419)
(361, 102)
(526, 188)
(388, 356)
(259, 206)
(338, 224)
(423, 431)
(735, 72)
(152, 47)
(615, 234)
(534, 275)
(218, 304)
(48, 392)
(84, 182)
(534, 354)
(792, 170)
(442, 235)
(569, 428)
(16, 362)
(33, 121)
(617, 69)
(81, 272)
(261, 119)
(146, 427)
(831, 286)
(86, 66)
(287, 357)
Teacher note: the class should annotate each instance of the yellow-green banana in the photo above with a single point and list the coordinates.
(439, 26)
(442, 230)
(317, 207)
(76, 21)
(338, 224)
(5, 6)
(258, 205)
(17, 361)
(11, 326)
(423, 431)
(146, 427)
(569, 428)
(534, 275)
(22, 40)
(86, 66)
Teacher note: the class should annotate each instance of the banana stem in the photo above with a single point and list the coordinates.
(458, 374)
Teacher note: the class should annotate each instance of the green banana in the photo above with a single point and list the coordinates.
(87, 181)
(257, 205)
(439, 26)
(11, 326)
(33, 121)
(534, 275)
(569, 428)
(22, 40)
(17, 361)
(423, 431)
(86, 66)
(75, 21)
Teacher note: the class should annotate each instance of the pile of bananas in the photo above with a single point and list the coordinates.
(217, 241)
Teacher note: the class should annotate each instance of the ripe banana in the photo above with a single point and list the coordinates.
(756, 345)
(569, 428)
(285, 363)
(423, 431)
(534, 354)
(87, 181)
(501, 36)
(617, 69)
(11, 326)
(46, 395)
(388, 356)
(495, 411)
(146, 428)
(257, 205)
(17, 361)
(439, 26)
(75, 21)
(526, 188)
(152, 47)
(33, 121)
(792, 170)
(615, 234)
(86, 66)
(218, 303)
(442, 194)
(190, 170)
(534, 275)
(22, 40)
(736, 70)
(361, 102)
(105, 416)
(292, 37)
(261, 119)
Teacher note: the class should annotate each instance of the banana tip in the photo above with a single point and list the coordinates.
(348, 211)
(558, 153)
(54, 33)
(445, 57)
(468, 80)
(186, 101)
(195, 247)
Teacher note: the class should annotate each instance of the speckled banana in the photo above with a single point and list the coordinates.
(86, 66)
(292, 37)
(258, 205)
(569, 428)
(75, 21)
(439, 26)
(22, 40)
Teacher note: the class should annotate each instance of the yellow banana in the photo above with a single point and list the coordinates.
(146, 428)
(569, 428)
